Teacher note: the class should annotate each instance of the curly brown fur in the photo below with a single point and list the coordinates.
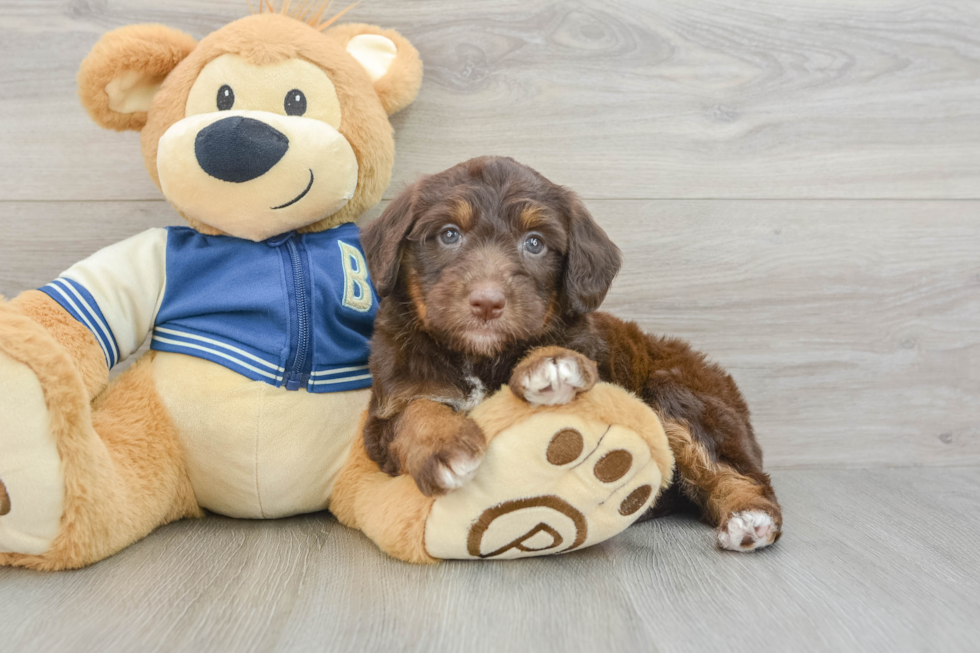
(432, 343)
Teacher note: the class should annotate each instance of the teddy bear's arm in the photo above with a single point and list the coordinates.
(77, 341)
(103, 308)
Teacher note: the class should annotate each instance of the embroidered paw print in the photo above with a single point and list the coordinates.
(568, 444)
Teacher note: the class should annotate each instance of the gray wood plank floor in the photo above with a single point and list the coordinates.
(796, 188)
(879, 560)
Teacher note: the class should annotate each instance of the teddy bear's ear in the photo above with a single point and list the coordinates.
(391, 62)
(122, 73)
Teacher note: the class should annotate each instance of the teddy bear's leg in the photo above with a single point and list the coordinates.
(554, 479)
(81, 480)
(389, 510)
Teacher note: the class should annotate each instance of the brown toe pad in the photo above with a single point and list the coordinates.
(4, 500)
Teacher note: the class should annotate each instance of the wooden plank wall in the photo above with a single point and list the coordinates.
(796, 185)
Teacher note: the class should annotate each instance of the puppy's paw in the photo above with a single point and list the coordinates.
(747, 531)
(449, 475)
(448, 465)
(551, 376)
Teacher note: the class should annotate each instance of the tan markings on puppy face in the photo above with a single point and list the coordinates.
(498, 254)
(463, 214)
(415, 292)
(486, 278)
(532, 216)
(258, 152)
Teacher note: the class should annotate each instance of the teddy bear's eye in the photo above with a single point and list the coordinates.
(226, 98)
(295, 103)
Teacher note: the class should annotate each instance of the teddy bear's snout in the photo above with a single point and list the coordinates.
(239, 149)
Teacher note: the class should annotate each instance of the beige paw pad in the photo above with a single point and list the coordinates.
(31, 482)
(554, 482)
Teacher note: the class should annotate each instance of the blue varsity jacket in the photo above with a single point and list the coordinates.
(295, 311)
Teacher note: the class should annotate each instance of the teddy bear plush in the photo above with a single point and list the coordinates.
(270, 136)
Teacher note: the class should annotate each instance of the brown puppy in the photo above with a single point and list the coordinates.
(490, 274)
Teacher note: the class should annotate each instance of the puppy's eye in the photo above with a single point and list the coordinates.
(449, 236)
(295, 103)
(226, 98)
(534, 245)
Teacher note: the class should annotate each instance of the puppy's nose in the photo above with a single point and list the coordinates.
(487, 301)
(238, 149)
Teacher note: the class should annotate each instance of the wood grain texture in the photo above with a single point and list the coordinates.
(872, 561)
(637, 99)
(850, 325)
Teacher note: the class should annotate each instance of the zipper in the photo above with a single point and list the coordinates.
(297, 372)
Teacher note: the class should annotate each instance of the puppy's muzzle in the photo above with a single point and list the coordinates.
(487, 301)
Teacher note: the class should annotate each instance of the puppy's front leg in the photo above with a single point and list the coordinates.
(439, 447)
(549, 376)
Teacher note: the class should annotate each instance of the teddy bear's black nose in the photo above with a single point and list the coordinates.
(238, 149)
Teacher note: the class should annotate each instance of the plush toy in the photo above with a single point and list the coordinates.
(554, 479)
(270, 137)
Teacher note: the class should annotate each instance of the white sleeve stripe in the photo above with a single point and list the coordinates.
(191, 336)
(92, 314)
(339, 370)
(343, 380)
(214, 352)
(105, 350)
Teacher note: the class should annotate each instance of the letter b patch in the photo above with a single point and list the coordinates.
(357, 290)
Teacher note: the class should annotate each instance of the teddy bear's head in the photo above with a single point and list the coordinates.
(270, 124)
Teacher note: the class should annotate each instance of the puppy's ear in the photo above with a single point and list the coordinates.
(384, 238)
(592, 261)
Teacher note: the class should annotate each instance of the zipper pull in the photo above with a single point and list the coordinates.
(280, 240)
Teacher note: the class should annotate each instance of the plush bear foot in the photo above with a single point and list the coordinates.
(31, 476)
(563, 478)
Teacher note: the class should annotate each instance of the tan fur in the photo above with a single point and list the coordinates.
(415, 292)
(716, 487)
(531, 216)
(304, 12)
(154, 50)
(122, 466)
(78, 341)
(401, 83)
(463, 214)
(262, 39)
(390, 511)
